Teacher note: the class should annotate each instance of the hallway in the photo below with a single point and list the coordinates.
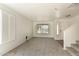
(39, 47)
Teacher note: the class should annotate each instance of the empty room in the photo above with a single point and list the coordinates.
(39, 29)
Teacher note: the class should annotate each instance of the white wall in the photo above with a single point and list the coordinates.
(71, 34)
(8, 26)
(52, 29)
(65, 23)
(23, 27)
(0, 26)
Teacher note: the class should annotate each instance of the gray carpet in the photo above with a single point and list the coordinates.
(39, 47)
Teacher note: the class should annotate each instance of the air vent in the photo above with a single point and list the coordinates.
(68, 15)
(73, 4)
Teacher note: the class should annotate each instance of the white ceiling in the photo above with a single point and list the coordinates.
(45, 11)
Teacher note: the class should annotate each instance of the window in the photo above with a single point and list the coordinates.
(57, 29)
(42, 28)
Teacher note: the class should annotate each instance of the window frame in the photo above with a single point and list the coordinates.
(41, 25)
